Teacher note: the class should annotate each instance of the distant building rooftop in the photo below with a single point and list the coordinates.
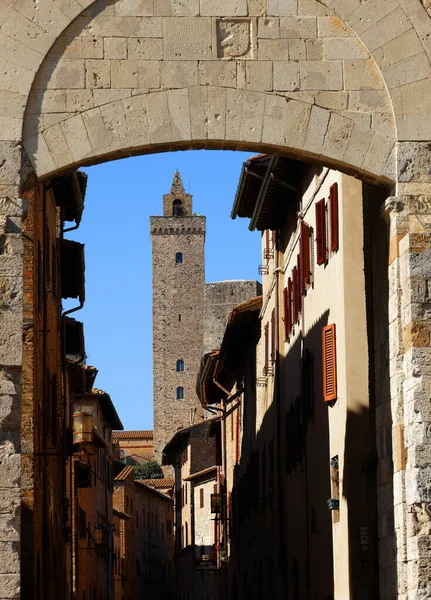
(133, 435)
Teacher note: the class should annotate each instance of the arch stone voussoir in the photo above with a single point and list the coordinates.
(215, 117)
(346, 83)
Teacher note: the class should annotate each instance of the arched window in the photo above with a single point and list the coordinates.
(179, 258)
(180, 393)
(180, 365)
(177, 208)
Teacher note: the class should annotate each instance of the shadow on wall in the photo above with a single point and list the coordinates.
(281, 529)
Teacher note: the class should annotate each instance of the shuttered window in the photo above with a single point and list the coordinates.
(294, 295)
(289, 305)
(329, 363)
(201, 497)
(321, 232)
(286, 314)
(333, 217)
(266, 341)
(300, 286)
(273, 335)
(305, 254)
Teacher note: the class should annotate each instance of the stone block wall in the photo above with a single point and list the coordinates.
(178, 299)
(220, 298)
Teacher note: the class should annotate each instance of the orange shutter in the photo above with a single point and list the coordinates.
(321, 232)
(329, 363)
(333, 215)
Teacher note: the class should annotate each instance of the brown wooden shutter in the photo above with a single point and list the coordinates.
(294, 295)
(274, 237)
(202, 497)
(265, 368)
(289, 305)
(305, 254)
(300, 285)
(286, 312)
(329, 360)
(321, 232)
(333, 216)
(273, 335)
(267, 239)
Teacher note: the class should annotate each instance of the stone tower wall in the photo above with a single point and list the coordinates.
(220, 298)
(178, 290)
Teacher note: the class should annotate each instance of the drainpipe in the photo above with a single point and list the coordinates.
(72, 310)
(282, 545)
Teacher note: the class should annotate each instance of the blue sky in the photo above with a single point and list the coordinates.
(121, 196)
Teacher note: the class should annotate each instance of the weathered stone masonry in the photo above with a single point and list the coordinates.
(123, 77)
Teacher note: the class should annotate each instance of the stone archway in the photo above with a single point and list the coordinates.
(343, 82)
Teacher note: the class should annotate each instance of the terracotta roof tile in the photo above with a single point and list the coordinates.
(121, 435)
(158, 483)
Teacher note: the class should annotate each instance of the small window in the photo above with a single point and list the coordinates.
(180, 365)
(180, 393)
(179, 258)
(177, 208)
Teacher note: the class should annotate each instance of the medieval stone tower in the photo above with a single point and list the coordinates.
(178, 239)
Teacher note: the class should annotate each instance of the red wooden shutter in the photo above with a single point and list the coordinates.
(321, 232)
(267, 239)
(305, 254)
(294, 295)
(300, 285)
(274, 237)
(202, 497)
(289, 306)
(333, 215)
(329, 363)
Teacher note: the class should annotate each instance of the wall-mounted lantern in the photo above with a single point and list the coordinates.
(82, 428)
(216, 503)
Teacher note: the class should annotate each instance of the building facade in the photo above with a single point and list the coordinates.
(45, 437)
(301, 438)
(143, 540)
(93, 417)
(192, 454)
(134, 446)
